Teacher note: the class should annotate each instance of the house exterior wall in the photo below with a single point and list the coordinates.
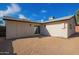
(10, 29)
(58, 29)
(16, 29)
(71, 26)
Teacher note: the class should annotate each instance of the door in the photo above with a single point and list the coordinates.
(37, 30)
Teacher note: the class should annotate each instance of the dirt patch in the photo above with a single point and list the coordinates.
(46, 46)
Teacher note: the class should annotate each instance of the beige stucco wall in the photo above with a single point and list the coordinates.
(58, 29)
(16, 29)
(10, 29)
(71, 23)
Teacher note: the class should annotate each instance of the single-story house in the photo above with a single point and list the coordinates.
(61, 27)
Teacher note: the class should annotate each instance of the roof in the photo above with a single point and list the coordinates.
(20, 20)
(61, 19)
(53, 20)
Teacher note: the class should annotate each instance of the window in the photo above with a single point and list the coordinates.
(64, 25)
(70, 26)
(44, 25)
(30, 24)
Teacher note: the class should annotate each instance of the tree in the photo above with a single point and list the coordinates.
(77, 16)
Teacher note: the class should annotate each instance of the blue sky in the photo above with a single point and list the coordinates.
(38, 11)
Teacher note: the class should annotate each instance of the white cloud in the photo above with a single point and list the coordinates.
(21, 16)
(13, 8)
(42, 20)
(43, 11)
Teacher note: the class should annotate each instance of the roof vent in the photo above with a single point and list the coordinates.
(51, 18)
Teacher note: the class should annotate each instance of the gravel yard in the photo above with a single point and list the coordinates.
(41, 45)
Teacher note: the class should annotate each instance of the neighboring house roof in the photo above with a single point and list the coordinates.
(53, 20)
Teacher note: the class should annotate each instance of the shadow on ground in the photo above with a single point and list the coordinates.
(74, 35)
(6, 47)
(35, 36)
